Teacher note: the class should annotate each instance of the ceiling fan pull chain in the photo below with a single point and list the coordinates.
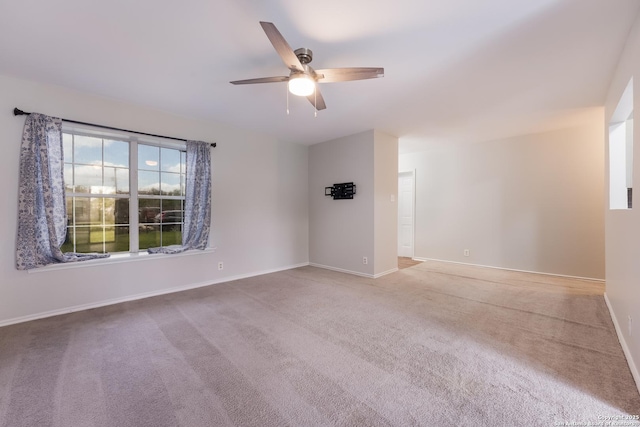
(315, 103)
(287, 101)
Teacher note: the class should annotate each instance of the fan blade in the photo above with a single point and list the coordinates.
(331, 75)
(317, 100)
(282, 47)
(276, 79)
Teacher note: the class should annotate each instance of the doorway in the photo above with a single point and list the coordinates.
(406, 213)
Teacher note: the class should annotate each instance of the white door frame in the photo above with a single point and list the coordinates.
(411, 173)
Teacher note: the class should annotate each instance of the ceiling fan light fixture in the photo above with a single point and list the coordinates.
(301, 85)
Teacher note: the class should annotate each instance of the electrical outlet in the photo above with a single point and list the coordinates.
(365, 260)
(220, 266)
(466, 252)
(630, 324)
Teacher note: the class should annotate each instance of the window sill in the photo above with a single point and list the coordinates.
(117, 259)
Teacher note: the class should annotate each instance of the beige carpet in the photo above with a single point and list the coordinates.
(434, 345)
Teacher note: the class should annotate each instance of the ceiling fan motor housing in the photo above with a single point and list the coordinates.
(304, 55)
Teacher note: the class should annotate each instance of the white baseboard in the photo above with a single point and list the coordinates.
(623, 343)
(103, 303)
(509, 269)
(384, 273)
(356, 273)
(342, 270)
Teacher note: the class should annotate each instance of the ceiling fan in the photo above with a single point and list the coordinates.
(302, 78)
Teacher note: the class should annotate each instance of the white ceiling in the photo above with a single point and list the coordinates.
(455, 70)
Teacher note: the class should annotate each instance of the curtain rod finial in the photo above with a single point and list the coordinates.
(19, 112)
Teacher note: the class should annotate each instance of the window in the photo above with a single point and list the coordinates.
(123, 195)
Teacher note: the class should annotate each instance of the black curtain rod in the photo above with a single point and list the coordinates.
(19, 112)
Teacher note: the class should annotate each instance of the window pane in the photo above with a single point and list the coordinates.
(91, 239)
(103, 234)
(167, 229)
(89, 211)
(172, 237)
(67, 246)
(170, 211)
(96, 215)
(173, 205)
(118, 239)
(148, 157)
(116, 181)
(70, 210)
(116, 153)
(122, 184)
(155, 237)
(97, 237)
(88, 179)
(109, 211)
(170, 185)
(82, 239)
(148, 209)
(122, 211)
(149, 237)
(82, 211)
(68, 177)
(170, 160)
(87, 150)
(171, 217)
(110, 180)
(148, 183)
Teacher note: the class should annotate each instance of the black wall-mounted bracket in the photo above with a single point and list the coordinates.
(345, 190)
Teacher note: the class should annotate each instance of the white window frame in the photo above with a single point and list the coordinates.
(133, 196)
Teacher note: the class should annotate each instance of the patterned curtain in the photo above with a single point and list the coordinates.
(197, 210)
(42, 214)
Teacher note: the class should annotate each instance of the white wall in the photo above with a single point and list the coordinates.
(531, 202)
(623, 226)
(385, 203)
(259, 207)
(342, 232)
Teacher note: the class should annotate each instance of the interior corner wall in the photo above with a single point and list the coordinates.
(623, 225)
(385, 203)
(531, 202)
(259, 207)
(341, 232)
